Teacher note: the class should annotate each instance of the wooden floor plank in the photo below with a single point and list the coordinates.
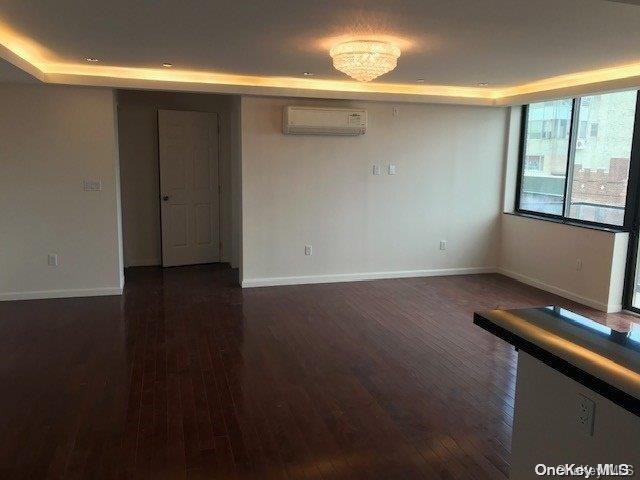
(188, 376)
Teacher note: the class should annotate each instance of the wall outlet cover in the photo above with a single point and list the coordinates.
(586, 414)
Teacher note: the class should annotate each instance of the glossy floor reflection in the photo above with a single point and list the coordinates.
(188, 376)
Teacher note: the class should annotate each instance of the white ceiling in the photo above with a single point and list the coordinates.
(446, 42)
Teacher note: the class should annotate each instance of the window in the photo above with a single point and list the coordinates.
(582, 129)
(576, 156)
(534, 163)
(535, 129)
(542, 183)
(598, 190)
(563, 128)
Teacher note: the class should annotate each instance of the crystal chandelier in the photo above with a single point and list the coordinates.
(365, 60)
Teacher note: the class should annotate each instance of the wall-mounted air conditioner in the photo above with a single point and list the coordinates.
(324, 121)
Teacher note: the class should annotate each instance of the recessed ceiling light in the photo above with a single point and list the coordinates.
(483, 84)
(91, 59)
(307, 74)
(167, 65)
(420, 80)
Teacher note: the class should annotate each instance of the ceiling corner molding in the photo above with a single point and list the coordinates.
(562, 86)
(273, 86)
(528, 93)
(19, 62)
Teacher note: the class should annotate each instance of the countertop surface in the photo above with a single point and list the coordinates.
(604, 357)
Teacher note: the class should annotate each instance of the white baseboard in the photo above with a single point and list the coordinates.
(341, 277)
(144, 262)
(81, 292)
(356, 277)
(560, 291)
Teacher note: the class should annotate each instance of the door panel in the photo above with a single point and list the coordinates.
(203, 224)
(189, 206)
(202, 167)
(177, 214)
(174, 174)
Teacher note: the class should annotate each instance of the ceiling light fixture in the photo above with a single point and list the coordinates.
(92, 60)
(483, 84)
(167, 65)
(420, 80)
(365, 60)
(307, 74)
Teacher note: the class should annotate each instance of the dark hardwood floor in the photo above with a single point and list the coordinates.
(188, 376)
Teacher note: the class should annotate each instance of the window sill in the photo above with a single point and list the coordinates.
(570, 223)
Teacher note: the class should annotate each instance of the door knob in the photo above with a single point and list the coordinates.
(165, 198)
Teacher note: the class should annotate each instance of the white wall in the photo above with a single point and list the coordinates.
(618, 271)
(546, 431)
(512, 155)
(236, 183)
(53, 138)
(138, 132)
(299, 190)
(545, 254)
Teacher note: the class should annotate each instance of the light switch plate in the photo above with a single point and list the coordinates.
(52, 260)
(376, 169)
(392, 169)
(92, 185)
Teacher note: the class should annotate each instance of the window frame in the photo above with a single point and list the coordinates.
(631, 213)
(632, 216)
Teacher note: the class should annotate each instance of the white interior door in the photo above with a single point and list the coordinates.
(189, 187)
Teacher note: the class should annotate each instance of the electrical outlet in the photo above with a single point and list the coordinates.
(443, 244)
(578, 265)
(376, 170)
(52, 260)
(586, 414)
(308, 250)
(392, 169)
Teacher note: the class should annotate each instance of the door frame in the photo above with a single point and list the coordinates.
(218, 116)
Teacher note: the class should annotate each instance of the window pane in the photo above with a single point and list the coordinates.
(601, 164)
(546, 149)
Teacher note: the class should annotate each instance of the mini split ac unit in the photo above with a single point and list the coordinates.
(324, 121)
